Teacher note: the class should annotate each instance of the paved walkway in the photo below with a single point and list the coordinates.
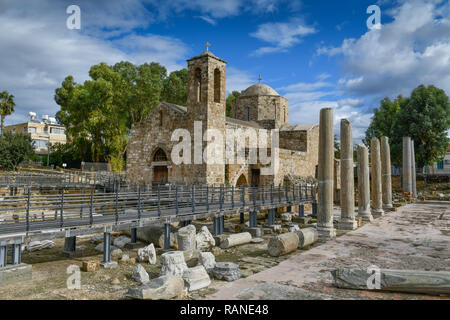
(416, 237)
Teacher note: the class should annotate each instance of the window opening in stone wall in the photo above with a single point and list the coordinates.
(217, 85)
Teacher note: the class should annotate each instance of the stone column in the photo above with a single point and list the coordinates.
(413, 170)
(406, 165)
(347, 221)
(325, 175)
(386, 173)
(376, 193)
(363, 184)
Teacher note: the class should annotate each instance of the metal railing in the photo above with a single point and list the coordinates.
(61, 210)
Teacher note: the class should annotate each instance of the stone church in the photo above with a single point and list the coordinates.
(259, 108)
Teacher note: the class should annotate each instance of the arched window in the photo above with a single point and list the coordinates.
(198, 84)
(217, 85)
(159, 155)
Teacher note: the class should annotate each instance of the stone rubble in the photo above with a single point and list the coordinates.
(196, 278)
(39, 245)
(186, 238)
(204, 239)
(173, 263)
(207, 260)
(99, 247)
(162, 288)
(227, 271)
(121, 241)
(140, 275)
(147, 253)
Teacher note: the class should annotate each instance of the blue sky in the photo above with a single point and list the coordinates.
(316, 53)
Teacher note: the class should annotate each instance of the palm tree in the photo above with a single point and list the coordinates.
(6, 107)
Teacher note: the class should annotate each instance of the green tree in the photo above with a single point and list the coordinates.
(7, 105)
(175, 87)
(229, 102)
(100, 112)
(337, 148)
(426, 119)
(14, 148)
(424, 116)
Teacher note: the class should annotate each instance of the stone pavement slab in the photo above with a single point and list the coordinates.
(416, 237)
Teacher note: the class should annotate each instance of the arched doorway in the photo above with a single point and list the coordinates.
(160, 170)
(241, 181)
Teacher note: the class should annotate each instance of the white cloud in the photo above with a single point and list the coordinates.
(238, 79)
(208, 20)
(38, 51)
(281, 35)
(216, 9)
(412, 49)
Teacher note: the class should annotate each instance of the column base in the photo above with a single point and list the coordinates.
(326, 233)
(109, 265)
(348, 225)
(365, 217)
(15, 273)
(376, 213)
(388, 207)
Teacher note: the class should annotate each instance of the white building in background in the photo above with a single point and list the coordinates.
(43, 133)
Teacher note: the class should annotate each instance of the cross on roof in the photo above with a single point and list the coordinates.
(259, 78)
(207, 45)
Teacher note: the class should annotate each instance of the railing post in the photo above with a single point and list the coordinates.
(232, 197)
(116, 203)
(28, 210)
(176, 200)
(279, 193)
(62, 208)
(271, 193)
(3, 256)
(167, 236)
(159, 200)
(207, 198)
(193, 198)
(91, 213)
(139, 201)
(82, 203)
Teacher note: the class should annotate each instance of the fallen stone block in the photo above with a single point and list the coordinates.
(207, 260)
(227, 271)
(282, 244)
(286, 217)
(162, 288)
(147, 253)
(186, 238)
(99, 247)
(204, 239)
(173, 263)
(307, 236)
(39, 245)
(140, 274)
(90, 266)
(410, 281)
(235, 240)
(255, 232)
(196, 278)
(97, 238)
(121, 241)
(155, 234)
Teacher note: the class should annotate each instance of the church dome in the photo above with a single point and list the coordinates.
(259, 90)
